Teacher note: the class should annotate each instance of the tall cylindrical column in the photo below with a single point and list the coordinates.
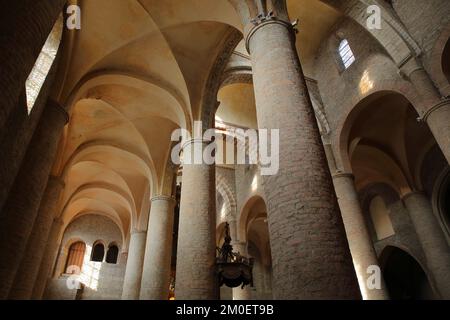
(432, 239)
(135, 262)
(195, 274)
(20, 211)
(158, 250)
(311, 257)
(360, 242)
(438, 119)
(29, 267)
(434, 109)
(48, 260)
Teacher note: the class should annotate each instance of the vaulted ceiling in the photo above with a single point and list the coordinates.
(137, 70)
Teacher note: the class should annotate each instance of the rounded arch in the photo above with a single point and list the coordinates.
(175, 108)
(382, 141)
(253, 202)
(405, 277)
(209, 100)
(357, 103)
(98, 251)
(112, 253)
(63, 258)
(110, 151)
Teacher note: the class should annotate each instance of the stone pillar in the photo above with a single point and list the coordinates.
(21, 208)
(29, 268)
(48, 260)
(238, 293)
(311, 257)
(195, 274)
(438, 119)
(158, 250)
(432, 239)
(135, 262)
(19, 52)
(360, 242)
(25, 26)
(435, 110)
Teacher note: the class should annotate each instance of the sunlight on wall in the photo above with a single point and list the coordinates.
(90, 272)
(366, 84)
(255, 183)
(43, 64)
(223, 213)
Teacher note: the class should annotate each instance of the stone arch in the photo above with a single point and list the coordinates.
(343, 144)
(209, 102)
(246, 212)
(405, 276)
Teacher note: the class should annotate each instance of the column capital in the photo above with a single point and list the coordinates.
(409, 66)
(163, 198)
(56, 106)
(187, 143)
(258, 23)
(413, 193)
(137, 231)
(444, 103)
(339, 174)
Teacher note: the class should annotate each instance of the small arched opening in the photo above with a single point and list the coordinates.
(98, 252)
(112, 254)
(75, 258)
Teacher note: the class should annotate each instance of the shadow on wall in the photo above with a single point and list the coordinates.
(446, 61)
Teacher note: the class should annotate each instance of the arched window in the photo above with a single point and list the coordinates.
(44, 62)
(98, 252)
(75, 258)
(112, 254)
(346, 54)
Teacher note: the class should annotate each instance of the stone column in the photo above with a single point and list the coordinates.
(432, 239)
(195, 274)
(360, 242)
(48, 260)
(435, 110)
(21, 208)
(238, 293)
(29, 268)
(158, 250)
(135, 262)
(311, 257)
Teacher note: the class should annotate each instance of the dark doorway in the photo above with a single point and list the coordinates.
(404, 277)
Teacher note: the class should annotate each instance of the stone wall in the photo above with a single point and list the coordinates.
(101, 280)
